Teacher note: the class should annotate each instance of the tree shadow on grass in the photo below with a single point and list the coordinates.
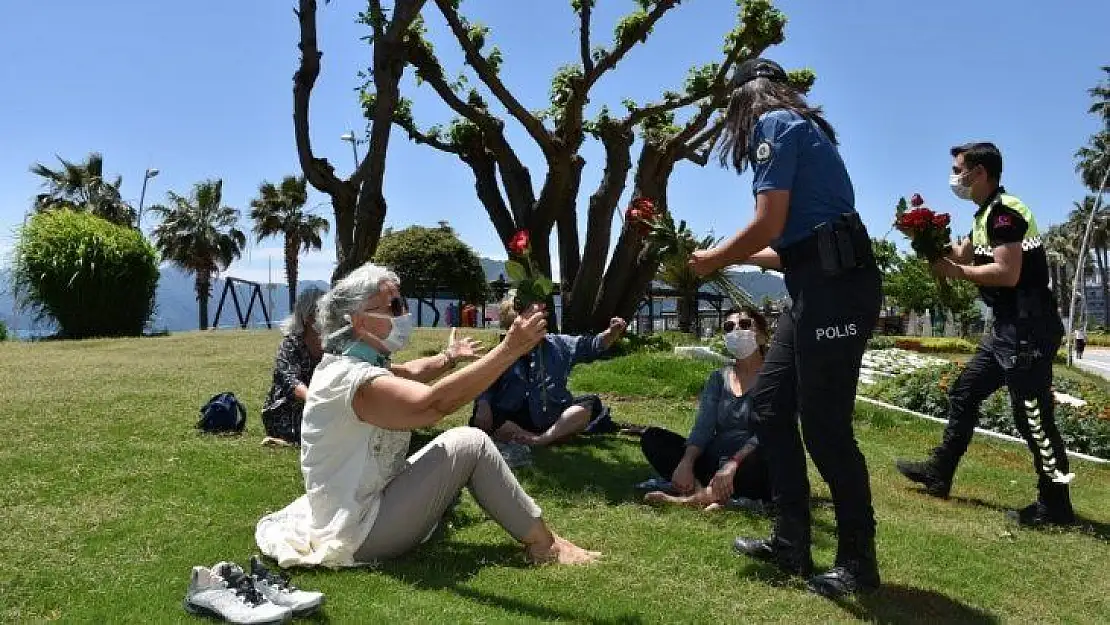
(449, 565)
(590, 464)
(895, 603)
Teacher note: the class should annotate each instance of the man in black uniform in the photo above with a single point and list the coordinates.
(1006, 258)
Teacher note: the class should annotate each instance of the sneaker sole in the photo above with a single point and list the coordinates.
(199, 610)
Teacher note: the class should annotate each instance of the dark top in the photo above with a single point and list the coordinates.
(1005, 224)
(722, 415)
(292, 366)
(519, 387)
(789, 152)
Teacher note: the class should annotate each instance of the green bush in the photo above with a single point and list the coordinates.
(1084, 429)
(880, 342)
(658, 342)
(90, 277)
(3, 331)
(935, 345)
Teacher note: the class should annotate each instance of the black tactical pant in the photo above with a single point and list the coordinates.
(812, 370)
(1020, 358)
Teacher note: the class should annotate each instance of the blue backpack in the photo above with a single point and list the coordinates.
(223, 413)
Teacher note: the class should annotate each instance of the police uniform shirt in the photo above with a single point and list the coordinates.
(789, 152)
(1005, 224)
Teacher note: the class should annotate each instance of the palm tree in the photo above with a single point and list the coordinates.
(199, 235)
(1097, 244)
(1101, 95)
(81, 186)
(1093, 161)
(279, 211)
(676, 273)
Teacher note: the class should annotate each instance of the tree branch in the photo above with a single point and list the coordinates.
(518, 182)
(694, 152)
(584, 40)
(485, 183)
(318, 171)
(610, 60)
(425, 138)
(488, 76)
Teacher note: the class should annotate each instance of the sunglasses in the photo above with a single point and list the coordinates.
(744, 324)
(397, 307)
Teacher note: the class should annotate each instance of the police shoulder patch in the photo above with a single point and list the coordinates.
(763, 152)
(1003, 221)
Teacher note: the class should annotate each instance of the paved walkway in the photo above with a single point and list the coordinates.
(1096, 361)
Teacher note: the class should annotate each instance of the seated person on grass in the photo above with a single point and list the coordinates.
(721, 458)
(513, 409)
(366, 499)
(299, 353)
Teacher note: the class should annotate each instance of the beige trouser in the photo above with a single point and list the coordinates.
(415, 500)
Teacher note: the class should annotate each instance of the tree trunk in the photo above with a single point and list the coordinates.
(204, 288)
(292, 246)
(1101, 260)
(687, 310)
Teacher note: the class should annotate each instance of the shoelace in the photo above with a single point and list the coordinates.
(275, 580)
(244, 588)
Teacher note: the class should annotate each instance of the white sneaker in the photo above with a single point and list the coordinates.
(279, 591)
(226, 593)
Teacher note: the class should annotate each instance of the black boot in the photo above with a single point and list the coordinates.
(856, 569)
(928, 473)
(1053, 507)
(793, 558)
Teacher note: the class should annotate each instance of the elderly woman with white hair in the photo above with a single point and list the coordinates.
(297, 356)
(365, 500)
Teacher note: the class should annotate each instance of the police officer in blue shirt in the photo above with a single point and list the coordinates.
(805, 225)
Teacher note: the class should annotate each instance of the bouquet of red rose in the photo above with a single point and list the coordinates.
(529, 287)
(677, 242)
(930, 233)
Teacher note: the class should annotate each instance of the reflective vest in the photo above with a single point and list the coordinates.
(981, 241)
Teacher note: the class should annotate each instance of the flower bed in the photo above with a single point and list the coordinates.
(921, 384)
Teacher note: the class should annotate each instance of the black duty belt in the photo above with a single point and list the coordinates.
(835, 247)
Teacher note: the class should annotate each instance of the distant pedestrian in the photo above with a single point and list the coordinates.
(1080, 342)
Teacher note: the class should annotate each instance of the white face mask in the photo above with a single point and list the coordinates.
(962, 191)
(741, 343)
(400, 332)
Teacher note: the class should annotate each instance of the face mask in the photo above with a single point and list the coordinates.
(962, 191)
(399, 334)
(741, 343)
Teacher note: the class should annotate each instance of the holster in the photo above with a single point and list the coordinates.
(843, 245)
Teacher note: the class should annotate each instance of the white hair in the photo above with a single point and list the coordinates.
(305, 306)
(334, 310)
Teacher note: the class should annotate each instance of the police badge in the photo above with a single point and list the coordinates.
(763, 152)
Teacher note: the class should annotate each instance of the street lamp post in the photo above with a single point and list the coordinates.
(349, 136)
(150, 173)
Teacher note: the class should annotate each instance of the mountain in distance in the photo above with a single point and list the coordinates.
(176, 304)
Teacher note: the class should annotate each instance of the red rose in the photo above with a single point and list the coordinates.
(641, 208)
(916, 200)
(941, 220)
(520, 242)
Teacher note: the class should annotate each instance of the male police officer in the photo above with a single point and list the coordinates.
(1006, 258)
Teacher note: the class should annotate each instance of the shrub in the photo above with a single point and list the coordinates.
(1084, 429)
(880, 342)
(660, 342)
(935, 345)
(89, 276)
(3, 331)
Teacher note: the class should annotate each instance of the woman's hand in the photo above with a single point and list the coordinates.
(683, 478)
(464, 348)
(705, 262)
(721, 484)
(527, 330)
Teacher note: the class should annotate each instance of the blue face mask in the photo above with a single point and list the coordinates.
(362, 351)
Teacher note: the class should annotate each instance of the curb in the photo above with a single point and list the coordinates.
(991, 433)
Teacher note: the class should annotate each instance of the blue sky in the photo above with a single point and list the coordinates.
(204, 89)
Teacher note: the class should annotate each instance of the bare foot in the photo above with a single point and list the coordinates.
(562, 551)
(659, 497)
(700, 499)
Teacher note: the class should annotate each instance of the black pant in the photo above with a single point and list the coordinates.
(664, 450)
(1001, 360)
(1079, 345)
(812, 370)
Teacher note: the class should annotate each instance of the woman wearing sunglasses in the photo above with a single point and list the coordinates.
(721, 457)
(365, 500)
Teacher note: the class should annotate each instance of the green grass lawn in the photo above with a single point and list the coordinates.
(112, 496)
